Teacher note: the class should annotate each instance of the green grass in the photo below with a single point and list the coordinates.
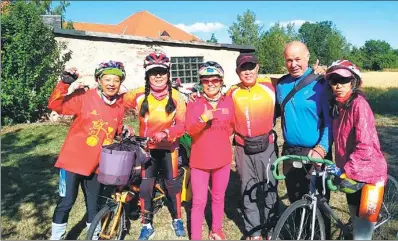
(29, 182)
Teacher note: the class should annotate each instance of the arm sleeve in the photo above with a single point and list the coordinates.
(65, 104)
(192, 124)
(179, 128)
(130, 99)
(233, 116)
(230, 90)
(326, 132)
(120, 124)
(278, 111)
(364, 125)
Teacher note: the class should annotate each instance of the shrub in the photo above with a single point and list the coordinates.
(31, 62)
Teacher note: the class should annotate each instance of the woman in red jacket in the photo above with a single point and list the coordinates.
(357, 145)
(210, 123)
(98, 116)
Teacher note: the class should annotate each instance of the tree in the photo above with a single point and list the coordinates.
(31, 62)
(213, 39)
(379, 55)
(356, 56)
(245, 31)
(324, 41)
(271, 46)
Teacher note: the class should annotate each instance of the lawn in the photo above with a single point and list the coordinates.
(29, 180)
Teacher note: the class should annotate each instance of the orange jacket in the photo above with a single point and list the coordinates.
(94, 125)
(254, 108)
(157, 119)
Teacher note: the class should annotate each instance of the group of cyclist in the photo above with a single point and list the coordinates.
(328, 108)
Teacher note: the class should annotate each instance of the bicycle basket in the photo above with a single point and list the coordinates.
(117, 161)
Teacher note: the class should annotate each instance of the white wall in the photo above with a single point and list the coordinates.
(86, 54)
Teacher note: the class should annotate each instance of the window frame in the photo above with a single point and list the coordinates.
(186, 68)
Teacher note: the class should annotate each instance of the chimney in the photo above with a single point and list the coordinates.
(53, 21)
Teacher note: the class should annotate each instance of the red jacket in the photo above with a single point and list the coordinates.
(94, 125)
(357, 144)
(211, 144)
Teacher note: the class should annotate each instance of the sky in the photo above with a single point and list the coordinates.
(357, 20)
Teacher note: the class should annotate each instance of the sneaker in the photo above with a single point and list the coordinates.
(178, 227)
(217, 236)
(146, 233)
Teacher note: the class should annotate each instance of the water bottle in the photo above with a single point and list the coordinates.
(371, 200)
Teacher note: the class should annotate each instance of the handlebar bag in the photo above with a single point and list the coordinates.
(117, 161)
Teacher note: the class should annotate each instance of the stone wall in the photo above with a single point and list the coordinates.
(87, 53)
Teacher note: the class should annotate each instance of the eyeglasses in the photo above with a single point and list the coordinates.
(208, 81)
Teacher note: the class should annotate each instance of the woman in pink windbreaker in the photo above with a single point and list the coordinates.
(357, 145)
(210, 122)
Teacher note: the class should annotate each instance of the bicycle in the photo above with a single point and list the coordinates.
(310, 206)
(110, 221)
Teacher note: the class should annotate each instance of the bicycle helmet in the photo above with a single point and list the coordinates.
(156, 59)
(344, 68)
(210, 68)
(110, 67)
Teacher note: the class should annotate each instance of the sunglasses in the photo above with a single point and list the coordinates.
(157, 71)
(208, 81)
(335, 79)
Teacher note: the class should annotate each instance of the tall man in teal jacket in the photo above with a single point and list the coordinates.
(306, 124)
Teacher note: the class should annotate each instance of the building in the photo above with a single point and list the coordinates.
(132, 39)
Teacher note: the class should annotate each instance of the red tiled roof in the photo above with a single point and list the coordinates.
(142, 24)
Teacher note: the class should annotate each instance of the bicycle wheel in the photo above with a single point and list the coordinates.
(387, 223)
(106, 225)
(295, 223)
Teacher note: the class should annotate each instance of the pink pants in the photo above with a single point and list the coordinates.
(200, 182)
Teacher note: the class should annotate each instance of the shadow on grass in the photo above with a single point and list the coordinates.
(27, 181)
(388, 136)
(28, 189)
(234, 208)
(383, 101)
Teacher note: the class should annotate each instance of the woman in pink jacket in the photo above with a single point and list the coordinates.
(210, 123)
(357, 145)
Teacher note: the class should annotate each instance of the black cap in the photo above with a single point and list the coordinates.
(246, 58)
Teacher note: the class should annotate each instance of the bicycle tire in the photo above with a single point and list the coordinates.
(389, 229)
(288, 212)
(107, 209)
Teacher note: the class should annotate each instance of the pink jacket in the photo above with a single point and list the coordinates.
(211, 144)
(357, 143)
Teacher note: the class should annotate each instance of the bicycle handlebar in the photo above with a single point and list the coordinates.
(138, 140)
(304, 160)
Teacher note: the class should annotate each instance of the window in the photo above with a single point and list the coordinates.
(164, 34)
(185, 68)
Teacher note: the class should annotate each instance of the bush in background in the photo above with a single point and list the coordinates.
(31, 62)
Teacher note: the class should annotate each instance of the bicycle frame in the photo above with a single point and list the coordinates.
(316, 199)
(121, 198)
